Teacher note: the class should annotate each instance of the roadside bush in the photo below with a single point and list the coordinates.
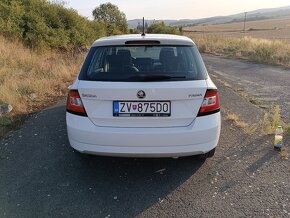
(41, 23)
(11, 13)
(259, 50)
(264, 52)
(161, 28)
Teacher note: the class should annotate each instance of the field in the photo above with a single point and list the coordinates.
(272, 29)
(31, 80)
(265, 41)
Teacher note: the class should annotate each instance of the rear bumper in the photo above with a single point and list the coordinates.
(198, 138)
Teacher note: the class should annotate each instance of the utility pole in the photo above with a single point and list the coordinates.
(245, 20)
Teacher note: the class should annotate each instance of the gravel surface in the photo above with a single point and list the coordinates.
(41, 176)
(270, 84)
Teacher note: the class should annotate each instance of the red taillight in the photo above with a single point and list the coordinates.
(74, 103)
(210, 104)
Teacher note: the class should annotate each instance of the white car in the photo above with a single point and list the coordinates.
(143, 96)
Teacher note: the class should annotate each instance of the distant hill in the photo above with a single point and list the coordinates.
(259, 14)
(134, 23)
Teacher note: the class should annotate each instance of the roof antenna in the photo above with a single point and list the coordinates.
(143, 33)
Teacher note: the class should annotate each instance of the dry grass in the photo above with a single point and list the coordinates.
(270, 121)
(287, 129)
(265, 126)
(225, 84)
(259, 50)
(31, 80)
(265, 41)
(251, 99)
(237, 121)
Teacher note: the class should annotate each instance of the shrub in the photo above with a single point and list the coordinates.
(41, 23)
(259, 50)
(264, 53)
(161, 28)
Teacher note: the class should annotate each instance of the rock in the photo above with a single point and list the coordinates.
(5, 109)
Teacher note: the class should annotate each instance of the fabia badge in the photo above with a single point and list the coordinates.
(141, 94)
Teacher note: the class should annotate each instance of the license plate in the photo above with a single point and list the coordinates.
(141, 108)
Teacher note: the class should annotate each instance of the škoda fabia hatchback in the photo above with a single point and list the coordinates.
(143, 96)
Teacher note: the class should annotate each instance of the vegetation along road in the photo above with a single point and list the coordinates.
(41, 176)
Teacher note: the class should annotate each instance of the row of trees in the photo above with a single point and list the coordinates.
(41, 23)
(162, 28)
(157, 27)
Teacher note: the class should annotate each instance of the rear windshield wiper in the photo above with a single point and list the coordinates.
(157, 77)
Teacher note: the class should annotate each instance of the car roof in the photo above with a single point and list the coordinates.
(164, 39)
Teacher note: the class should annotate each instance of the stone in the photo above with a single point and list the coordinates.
(5, 109)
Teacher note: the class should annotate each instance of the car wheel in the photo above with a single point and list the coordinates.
(208, 154)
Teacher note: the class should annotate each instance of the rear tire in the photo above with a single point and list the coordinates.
(208, 154)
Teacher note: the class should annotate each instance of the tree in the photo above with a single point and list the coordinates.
(112, 16)
(161, 28)
(47, 23)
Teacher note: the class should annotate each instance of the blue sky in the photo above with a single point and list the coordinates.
(174, 9)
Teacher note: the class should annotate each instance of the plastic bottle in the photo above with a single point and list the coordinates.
(278, 141)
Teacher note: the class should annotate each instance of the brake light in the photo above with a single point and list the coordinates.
(143, 42)
(74, 103)
(210, 104)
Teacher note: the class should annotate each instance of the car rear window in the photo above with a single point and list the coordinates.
(143, 63)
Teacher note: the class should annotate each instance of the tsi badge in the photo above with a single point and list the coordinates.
(141, 94)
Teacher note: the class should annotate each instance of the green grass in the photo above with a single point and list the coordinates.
(5, 121)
